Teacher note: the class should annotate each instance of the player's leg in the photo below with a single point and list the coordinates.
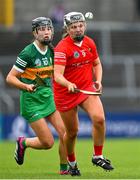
(70, 119)
(56, 120)
(93, 106)
(44, 140)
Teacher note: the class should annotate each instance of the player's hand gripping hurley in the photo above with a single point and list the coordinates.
(39, 82)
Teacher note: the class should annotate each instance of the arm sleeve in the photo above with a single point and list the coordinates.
(22, 61)
(94, 49)
(60, 54)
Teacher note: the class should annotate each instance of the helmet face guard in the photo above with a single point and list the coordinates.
(41, 21)
(73, 17)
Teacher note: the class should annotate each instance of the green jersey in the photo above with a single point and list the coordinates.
(32, 61)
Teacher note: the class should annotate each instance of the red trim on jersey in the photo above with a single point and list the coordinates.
(60, 58)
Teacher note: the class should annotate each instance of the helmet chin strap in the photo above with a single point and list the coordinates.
(46, 42)
(78, 38)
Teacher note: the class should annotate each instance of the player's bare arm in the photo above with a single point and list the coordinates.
(98, 74)
(59, 78)
(13, 79)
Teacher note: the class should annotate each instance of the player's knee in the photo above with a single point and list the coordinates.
(61, 136)
(61, 133)
(73, 134)
(99, 120)
(48, 144)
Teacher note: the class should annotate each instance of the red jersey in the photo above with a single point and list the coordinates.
(78, 62)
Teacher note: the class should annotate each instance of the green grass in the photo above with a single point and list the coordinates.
(124, 154)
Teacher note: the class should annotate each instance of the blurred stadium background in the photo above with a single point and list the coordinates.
(116, 31)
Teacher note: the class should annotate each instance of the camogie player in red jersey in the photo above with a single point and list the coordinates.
(77, 65)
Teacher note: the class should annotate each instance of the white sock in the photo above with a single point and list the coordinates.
(100, 156)
(72, 163)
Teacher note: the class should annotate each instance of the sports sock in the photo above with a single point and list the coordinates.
(95, 157)
(63, 167)
(24, 143)
(98, 150)
(71, 159)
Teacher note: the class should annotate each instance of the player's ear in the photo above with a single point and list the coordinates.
(34, 33)
(68, 29)
(85, 24)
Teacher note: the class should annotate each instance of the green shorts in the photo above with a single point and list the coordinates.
(37, 105)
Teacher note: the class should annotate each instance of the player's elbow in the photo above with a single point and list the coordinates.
(56, 77)
(8, 79)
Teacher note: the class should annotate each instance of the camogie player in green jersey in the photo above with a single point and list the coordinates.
(37, 103)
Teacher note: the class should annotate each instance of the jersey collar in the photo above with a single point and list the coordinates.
(77, 44)
(42, 52)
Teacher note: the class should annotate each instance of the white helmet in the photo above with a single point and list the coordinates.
(73, 17)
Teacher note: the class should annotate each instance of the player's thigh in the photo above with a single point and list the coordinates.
(57, 122)
(41, 129)
(70, 119)
(93, 106)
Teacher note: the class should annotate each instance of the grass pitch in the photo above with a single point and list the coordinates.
(44, 164)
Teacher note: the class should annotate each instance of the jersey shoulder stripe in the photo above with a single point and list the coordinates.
(21, 62)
